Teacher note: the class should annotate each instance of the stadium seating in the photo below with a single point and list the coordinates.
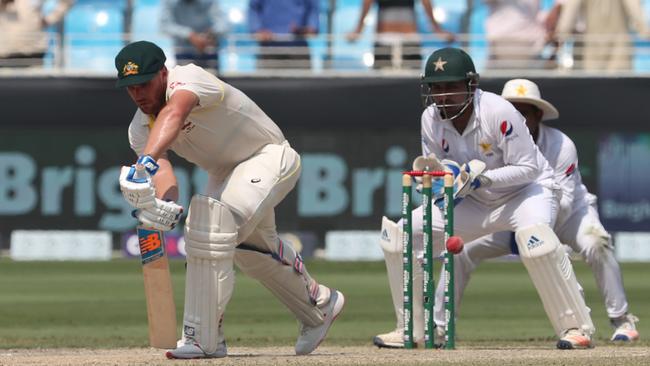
(145, 25)
(93, 34)
(346, 55)
(236, 12)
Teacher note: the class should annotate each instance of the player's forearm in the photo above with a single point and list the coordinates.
(512, 175)
(165, 130)
(165, 181)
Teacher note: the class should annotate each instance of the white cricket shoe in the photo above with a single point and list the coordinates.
(574, 339)
(189, 349)
(625, 329)
(311, 337)
(394, 339)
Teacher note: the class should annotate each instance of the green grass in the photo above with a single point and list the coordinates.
(102, 305)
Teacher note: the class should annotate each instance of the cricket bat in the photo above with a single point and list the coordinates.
(161, 310)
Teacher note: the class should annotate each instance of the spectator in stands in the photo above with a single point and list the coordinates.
(195, 26)
(396, 24)
(516, 34)
(281, 27)
(607, 44)
(23, 41)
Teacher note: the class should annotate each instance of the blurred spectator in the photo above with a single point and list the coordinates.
(396, 24)
(281, 27)
(516, 34)
(195, 26)
(606, 42)
(23, 41)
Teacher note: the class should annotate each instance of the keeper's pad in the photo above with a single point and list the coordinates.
(550, 269)
(210, 239)
(284, 274)
(391, 244)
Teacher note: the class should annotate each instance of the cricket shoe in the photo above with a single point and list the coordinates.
(394, 339)
(625, 328)
(574, 339)
(189, 349)
(311, 337)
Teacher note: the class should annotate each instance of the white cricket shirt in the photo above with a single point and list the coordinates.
(496, 134)
(562, 155)
(224, 129)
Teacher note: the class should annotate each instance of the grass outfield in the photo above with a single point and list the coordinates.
(101, 305)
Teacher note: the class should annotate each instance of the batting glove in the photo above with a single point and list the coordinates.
(162, 215)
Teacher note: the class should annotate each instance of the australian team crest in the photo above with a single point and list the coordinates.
(130, 69)
(506, 128)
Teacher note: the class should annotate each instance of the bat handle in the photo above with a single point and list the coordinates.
(140, 172)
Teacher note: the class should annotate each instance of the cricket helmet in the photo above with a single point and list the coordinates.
(449, 65)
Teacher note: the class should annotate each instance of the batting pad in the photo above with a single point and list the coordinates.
(550, 269)
(283, 273)
(210, 239)
(391, 243)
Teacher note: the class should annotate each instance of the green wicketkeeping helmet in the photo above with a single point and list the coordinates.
(444, 66)
(448, 64)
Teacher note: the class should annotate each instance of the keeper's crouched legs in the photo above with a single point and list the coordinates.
(552, 274)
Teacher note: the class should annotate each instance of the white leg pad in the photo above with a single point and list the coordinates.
(284, 274)
(552, 274)
(391, 244)
(210, 240)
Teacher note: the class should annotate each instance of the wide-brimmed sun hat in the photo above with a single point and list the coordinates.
(525, 91)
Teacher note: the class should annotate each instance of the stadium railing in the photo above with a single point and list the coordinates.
(332, 54)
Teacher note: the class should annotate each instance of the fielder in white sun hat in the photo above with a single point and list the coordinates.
(525, 91)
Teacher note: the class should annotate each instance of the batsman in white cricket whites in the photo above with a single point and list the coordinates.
(577, 225)
(251, 168)
(503, 184)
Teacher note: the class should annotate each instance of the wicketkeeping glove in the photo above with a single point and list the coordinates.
(467, 178)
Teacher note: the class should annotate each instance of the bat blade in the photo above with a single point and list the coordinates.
(161, 310)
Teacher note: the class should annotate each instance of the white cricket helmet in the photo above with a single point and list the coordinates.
(525, 91)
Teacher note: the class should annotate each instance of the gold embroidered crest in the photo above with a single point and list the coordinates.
(130, 69)
(486, 148)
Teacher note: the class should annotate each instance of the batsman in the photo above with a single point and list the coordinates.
(251, 168)
(502, 183)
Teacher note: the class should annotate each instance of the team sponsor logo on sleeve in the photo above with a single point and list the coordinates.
(570, 169)
(174, 84)
(506, 128)
(445, 145)
(188, 126)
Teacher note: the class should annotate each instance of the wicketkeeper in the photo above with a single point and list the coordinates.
(505, 184)
(577, 225)
(251, 168)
